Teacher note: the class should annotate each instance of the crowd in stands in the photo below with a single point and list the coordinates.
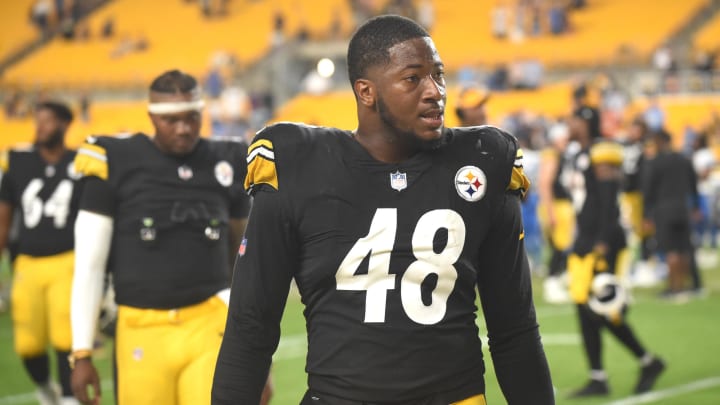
(517, 19)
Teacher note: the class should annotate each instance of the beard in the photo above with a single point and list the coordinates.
(403, 135)
(53, 141)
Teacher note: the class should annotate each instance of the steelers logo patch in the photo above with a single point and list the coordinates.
(470, 183)
(224, 173)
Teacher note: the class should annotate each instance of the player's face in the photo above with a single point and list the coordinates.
(178, 133)
(635, 133)
(49, 130)
(411, 91)
(577, 128)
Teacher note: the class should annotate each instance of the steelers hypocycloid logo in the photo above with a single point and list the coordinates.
(470, 183)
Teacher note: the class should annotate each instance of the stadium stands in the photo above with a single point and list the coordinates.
(189, 40)
(338, 108)
(708, 39)
(106, 118)
(604, 32)
(16, 26)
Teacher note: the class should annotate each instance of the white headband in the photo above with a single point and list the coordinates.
(176, 107)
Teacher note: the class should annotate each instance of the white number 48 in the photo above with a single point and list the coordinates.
(379, 244)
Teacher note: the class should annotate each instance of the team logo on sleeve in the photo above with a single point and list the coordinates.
(224, 173)
(470, 183)
(398, 181)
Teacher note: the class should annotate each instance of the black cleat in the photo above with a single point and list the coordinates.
(594, 388)
(649, 375)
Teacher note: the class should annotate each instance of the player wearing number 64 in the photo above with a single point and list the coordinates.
(39, 184)
(390, 231)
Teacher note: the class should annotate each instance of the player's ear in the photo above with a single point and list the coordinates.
(365, 90)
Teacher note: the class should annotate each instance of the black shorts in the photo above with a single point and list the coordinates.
(672, 230)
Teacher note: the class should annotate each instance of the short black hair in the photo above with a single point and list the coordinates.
(174, 81)
(60, 110)
(370, 44)
(591, 116)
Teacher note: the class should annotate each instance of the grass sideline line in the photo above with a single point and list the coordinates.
(29, 397)
(654, 396)
(294, 346)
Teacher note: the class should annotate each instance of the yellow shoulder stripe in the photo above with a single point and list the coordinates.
(261, 165)
(607, 153)
(4, 161)
(518, 180)
(91, 160)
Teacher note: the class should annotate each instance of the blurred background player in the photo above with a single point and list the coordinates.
(597, 246)
(39, 184)
(471, 110)
(164, 215)
(644, 272)
(556, 212)
(670, 198)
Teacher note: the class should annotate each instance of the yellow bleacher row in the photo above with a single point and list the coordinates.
(337, 109)
(599, 32)
(708, 38)
(16, 29)
(178, 36)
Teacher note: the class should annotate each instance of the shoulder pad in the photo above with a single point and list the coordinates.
(606, 152)
(91, 158)
(505, 146)
(260, 159)
(518, 183)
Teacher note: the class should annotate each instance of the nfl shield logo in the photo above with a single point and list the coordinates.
(398, 181)
(185, 172)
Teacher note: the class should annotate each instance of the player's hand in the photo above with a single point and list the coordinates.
(267, 392)
(83, 375)
(600, 249)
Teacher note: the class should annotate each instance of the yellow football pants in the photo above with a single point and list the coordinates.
(582, 270)
(476, 400)
(40, 300)
(168, 356)
(563, 232)
(631, 207)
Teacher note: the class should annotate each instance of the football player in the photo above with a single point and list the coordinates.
(669, 187)
(389, 231)
(471, 108)
(594, 186)
(160, 213)
(631, 198)
(39, 183)
(556, 212)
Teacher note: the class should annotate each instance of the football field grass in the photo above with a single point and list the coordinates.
(686, 335)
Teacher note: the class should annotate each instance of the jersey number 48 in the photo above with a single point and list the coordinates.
(379, 243)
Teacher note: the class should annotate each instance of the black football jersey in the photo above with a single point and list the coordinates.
(387, 259)
(632, 163)
(596, 202)
(171, 215)
(46, 197)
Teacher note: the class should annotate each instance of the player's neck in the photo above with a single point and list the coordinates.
(52, 154)
(385, 148)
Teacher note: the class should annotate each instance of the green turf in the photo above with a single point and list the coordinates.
(686, 336)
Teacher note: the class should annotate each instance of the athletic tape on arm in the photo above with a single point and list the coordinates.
(93, 234)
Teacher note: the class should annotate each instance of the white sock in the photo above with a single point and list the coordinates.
(68, 401)
(647, 359)
(598, 375)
